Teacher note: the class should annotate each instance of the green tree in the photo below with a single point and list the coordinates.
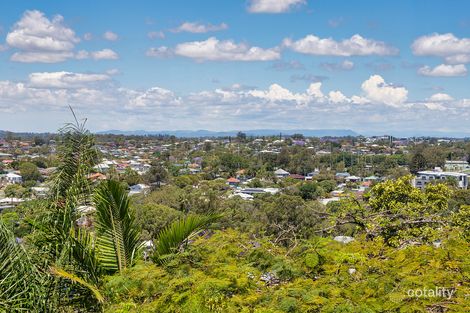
(15, 191)
(29, 171)
(310, 191)
(156, 174)
(418, 163)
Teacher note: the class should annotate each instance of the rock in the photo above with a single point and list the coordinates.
(343, 239)
(351, 271)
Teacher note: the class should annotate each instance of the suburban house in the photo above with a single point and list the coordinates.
(353, 179)
(297, 176)
(342, 175)
(12, 178)
(280, 173)
(312, 174)
(139, 188)
(232, 181)
(456, 166)
(425, 177)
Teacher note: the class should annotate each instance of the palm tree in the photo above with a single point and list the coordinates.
(69, 262)
(176, 236)
(118, 236)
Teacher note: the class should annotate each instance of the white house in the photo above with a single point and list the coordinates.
(456, 166)
(13, 178)
(425, 177)
(139, 188)
(280, 173)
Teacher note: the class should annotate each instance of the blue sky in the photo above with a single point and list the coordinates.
(371, 66)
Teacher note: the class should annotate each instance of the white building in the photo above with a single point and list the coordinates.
(425, 177)
(139, 188)
(13, 178)
(456, 166)
(280, 173)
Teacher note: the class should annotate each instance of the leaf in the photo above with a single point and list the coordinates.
(170, 239)
(75, 279)
(118, 237)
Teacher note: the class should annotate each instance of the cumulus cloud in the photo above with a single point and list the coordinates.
(273, 6)
(356, 45)
(105, 54)
(64, 79)
(153, 97)
(448, 46)
(213, 49)
(438, 102)
(35, 32)
(199, 28)
(109, 35)
(443, 70)
(39, 39)
(41, 57)
(237, 106)
(440, 97)
(377, 90)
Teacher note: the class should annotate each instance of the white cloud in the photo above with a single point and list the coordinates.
(226, 50)
(277, 93)
(273, 6)
(155, 35)
(159, 52)
(439, 97)
(40, 39)
(443, 70)
(105, 54)
(356, 45)
(236, 107)
(443, 45)
(41, 57)
(337, 97)
(153, 97)
(199, 28)
(438, 102)
(458, 59)
(377, 90)
(64, 79)
(35, 32)
(113, 71)
(109, 35)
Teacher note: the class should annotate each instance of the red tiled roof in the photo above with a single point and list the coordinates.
(232, 180)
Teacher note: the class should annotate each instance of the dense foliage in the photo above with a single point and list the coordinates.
(191, 245)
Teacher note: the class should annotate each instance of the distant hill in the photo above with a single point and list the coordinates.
(256, 132)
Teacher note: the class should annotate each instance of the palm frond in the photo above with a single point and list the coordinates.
(118, 235)
(21, 285)
(75, 279)
(170, 239)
